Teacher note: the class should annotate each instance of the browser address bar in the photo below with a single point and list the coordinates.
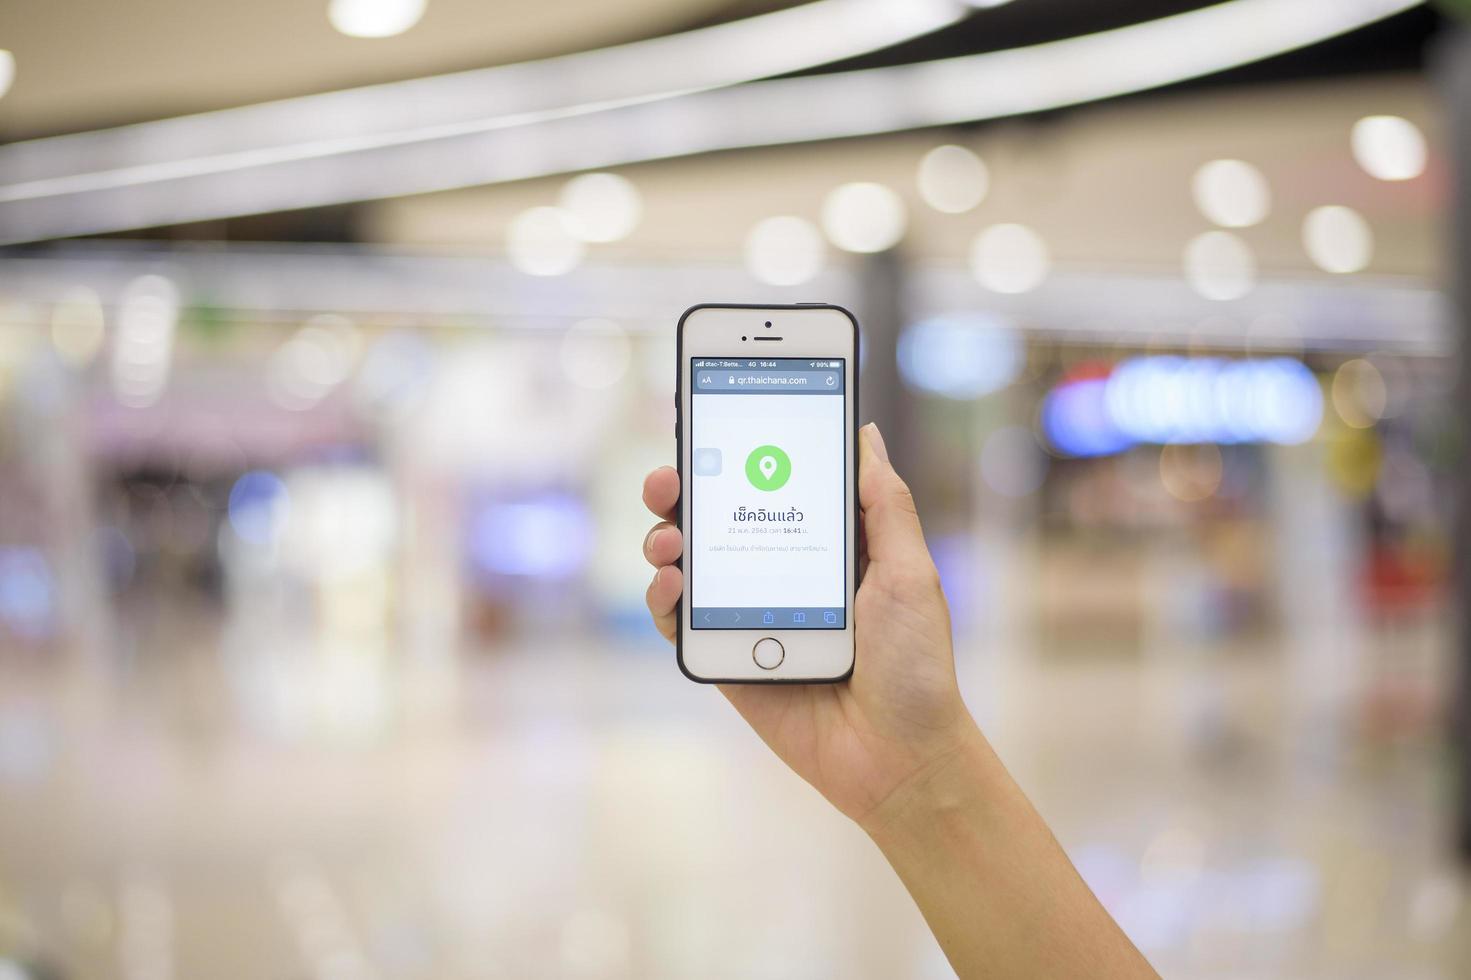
(749, 381)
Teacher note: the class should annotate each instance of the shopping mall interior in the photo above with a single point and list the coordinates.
(336, 339)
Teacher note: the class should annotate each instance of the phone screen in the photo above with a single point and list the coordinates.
(768, 500)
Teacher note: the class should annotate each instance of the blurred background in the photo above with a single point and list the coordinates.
(336, 338)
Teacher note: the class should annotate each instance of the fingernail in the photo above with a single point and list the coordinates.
(876, 441)
(649, 539)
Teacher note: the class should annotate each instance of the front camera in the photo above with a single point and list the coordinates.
(768, 323)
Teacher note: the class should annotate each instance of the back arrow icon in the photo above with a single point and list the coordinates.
(707, 617)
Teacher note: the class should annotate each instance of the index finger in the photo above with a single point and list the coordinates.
(661, 492)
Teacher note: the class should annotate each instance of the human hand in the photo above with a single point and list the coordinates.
(862, 742)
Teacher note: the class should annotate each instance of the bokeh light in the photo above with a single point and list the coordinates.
(601, 207)
(343, 520)
(547, 536)
(1389, 147)
(1010, 258)
(394, 373)
(1076, 421)
(143, 351)
(78, 326)
(1191, 473)
(1286, 401)
(1168, 399)
(318, 357)
(1232, 193)
(952, 179)
(259, 506)
(375, 18)
(543, 241)
(1338, 239)
(864, 217)
(1359, 393)
(7, 71)
(1220, 266)
(27, 593)
(960, 356)
(784, 251)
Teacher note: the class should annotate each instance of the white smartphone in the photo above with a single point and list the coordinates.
(767, 406)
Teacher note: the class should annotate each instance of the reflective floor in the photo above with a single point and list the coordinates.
(581, 810)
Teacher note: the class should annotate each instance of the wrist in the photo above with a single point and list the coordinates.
(962, 781)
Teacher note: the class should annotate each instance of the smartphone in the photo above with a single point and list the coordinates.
(767, 406)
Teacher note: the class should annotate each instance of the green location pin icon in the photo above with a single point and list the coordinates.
(768, 468)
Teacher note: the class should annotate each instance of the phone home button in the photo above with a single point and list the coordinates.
(768, 653)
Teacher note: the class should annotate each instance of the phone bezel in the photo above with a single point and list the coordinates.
(715, 330)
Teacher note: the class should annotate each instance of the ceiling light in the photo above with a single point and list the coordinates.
(864, 217)
(7, 71)
(1389, 147)
(602, 207)
(1338, 239)
(952, 179)
(784, 251)
(1010, 259)
(1232, 193)
(374, 18)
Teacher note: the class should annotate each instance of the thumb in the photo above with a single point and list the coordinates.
(890, 522)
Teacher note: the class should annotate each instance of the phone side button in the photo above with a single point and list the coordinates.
(768, 653)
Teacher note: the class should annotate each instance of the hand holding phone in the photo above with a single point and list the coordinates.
(859, 740)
